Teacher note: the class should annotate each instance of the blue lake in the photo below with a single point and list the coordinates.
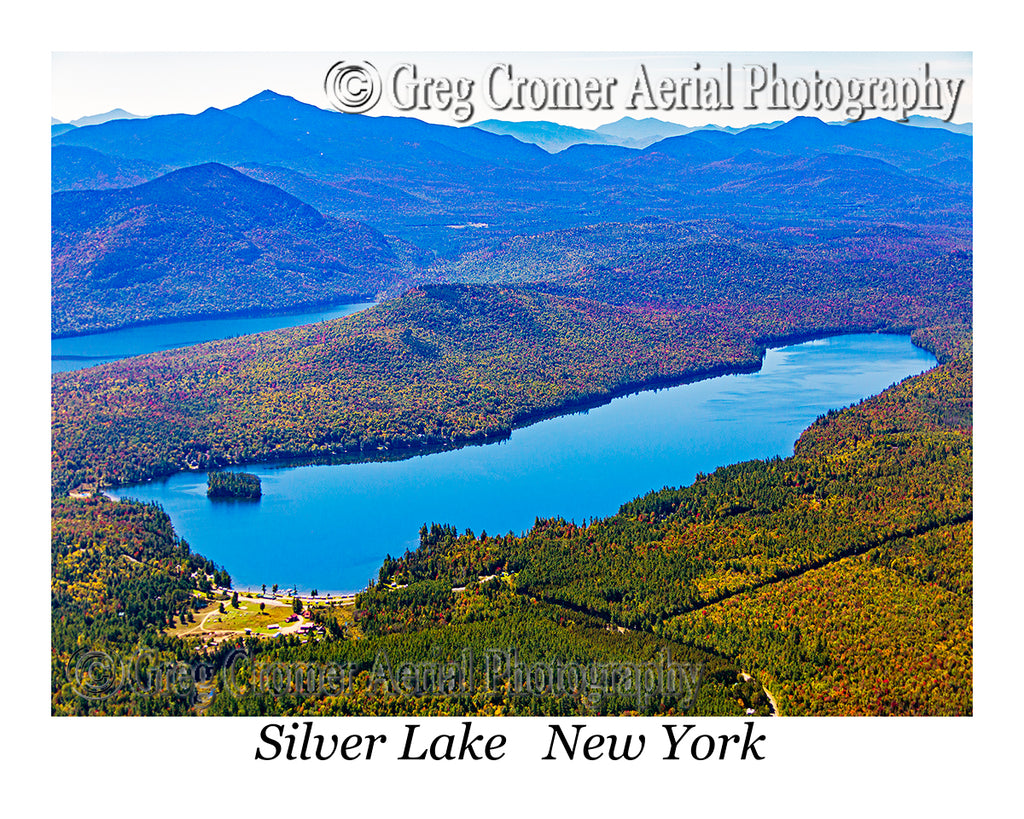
(329, 527)
(78, 352)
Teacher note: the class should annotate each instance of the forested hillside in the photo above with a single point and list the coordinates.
(119, 576)
(205, 241)
(840, 577)
(515, 284)
(439, 367)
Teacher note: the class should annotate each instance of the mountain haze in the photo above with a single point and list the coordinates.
(449, 193)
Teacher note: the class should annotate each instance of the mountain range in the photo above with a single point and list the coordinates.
(627, 132)
(416, 197)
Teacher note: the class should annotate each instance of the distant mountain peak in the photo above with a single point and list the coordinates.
(267, 95)
(217, 177)
(879, 122)
(644, 131)
(637, 121)
(934, 122)
(205, 169)
(804, 123)
(99, 119)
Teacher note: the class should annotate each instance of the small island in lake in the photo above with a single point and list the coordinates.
(233, 485)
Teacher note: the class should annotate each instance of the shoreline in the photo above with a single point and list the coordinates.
(412, 450)
(291, 310)
(322, 596)
(337, 595)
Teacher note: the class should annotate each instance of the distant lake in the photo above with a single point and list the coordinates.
(330, 527)
(78, 352)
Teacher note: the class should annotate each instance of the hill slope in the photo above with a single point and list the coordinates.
(203, 241)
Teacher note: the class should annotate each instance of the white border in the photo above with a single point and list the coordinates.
(937, 767)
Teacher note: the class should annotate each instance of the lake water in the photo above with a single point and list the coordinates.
(78, 352)
(329, 527)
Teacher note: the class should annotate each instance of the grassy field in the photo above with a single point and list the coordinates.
(248, 615)
(209, 620)
(212, 624)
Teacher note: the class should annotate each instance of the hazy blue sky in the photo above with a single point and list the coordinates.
(158, 83)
